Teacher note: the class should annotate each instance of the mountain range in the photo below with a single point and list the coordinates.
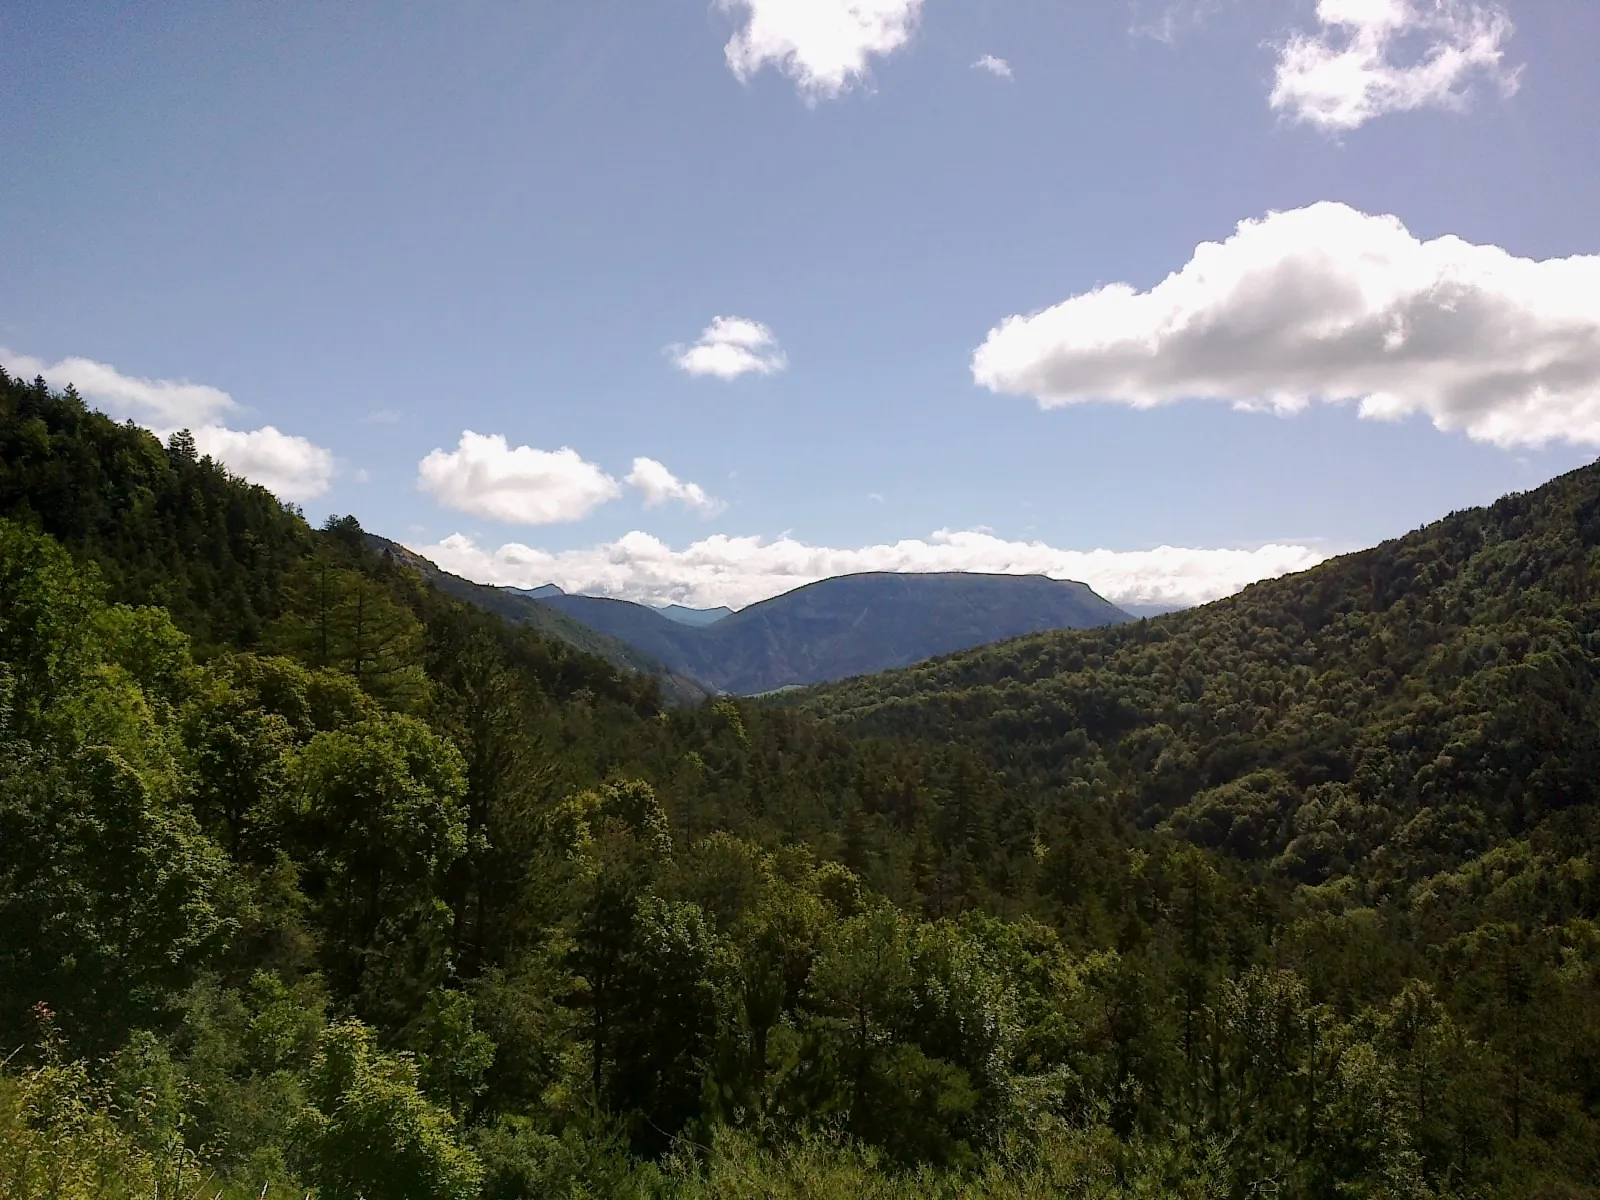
(844, 626)
(695, 616)
(824, 631)
(673, 612)
(526, 607)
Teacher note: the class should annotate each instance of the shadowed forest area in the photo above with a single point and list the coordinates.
(316, 880)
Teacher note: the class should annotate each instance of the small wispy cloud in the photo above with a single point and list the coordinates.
(660, 485)
(166, 404)
(1166, 22)
(730, 347)
(1371, 57)
(997, 67)
(381, 416)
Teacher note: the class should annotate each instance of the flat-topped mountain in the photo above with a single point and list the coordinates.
(848, 625)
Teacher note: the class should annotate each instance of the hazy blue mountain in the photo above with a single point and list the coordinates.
(673, 612)
(694, 616)
(850, 625)
(1152, 610)
(518, 606)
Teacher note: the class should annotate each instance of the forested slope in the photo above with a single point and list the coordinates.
(1385, 715)
(163, 525)
(319, 880)
(519, 609)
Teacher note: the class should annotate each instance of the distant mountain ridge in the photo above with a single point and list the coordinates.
(695, 616)
(525, 607)
(673, 612)
(1152, 610)
(844, 626)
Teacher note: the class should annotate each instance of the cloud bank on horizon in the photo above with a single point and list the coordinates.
(738, 571)
(1326, 303)
(292, 467)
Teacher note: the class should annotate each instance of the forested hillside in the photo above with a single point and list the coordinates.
(315, 879)
(520, 609)
(1383, 717)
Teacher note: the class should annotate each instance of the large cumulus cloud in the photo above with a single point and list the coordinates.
(1328, 303)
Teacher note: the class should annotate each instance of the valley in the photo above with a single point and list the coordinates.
(850, 625)
(322, 869)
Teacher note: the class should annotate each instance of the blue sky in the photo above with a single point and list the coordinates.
(373, 233)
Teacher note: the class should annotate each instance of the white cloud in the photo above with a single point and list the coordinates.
(155, 403)
(521, 485)
(290, 466)
(1327, 303)
(730, 347)
(660, 485)
(825, 46)
(1371, 57)
(995, 66)
(737, 571)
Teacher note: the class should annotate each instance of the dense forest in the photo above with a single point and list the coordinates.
(316, 879)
